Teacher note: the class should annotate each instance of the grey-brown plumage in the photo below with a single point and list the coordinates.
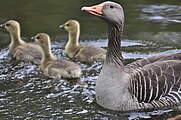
(83, 53)
(19, 49)
(146, 83)
(52, 66)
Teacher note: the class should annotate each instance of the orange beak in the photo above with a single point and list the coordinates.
(94, 10)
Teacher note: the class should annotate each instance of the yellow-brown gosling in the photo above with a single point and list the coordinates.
(83, 53)
(18, 48)
(52, 66)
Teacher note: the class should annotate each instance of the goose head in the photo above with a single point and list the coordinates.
(71, 26)
(110, 12)
(11, 26)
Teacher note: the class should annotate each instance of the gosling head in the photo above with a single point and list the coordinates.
(43, 40)
(71, 26)
(11, 26)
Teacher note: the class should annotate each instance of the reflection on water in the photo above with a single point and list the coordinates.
(161, 13)
(25, 93)
(103, 43)
(148, 115)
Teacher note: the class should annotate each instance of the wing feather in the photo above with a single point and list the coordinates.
(158, 83)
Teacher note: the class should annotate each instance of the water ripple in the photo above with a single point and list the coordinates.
(161, 13)
(27, 94)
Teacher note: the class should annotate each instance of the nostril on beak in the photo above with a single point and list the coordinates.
(94, 7)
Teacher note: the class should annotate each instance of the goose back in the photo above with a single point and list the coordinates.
(156, 84)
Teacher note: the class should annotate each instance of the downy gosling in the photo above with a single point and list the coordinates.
(82, 53)
(18, 48)
(52, 66)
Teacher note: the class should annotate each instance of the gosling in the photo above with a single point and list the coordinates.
(82, 53)
(52, 66)
(18, 48)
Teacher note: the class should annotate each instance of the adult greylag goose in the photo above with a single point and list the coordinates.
(52, 66)
(18, 48)
(146, 83)
(83, 53)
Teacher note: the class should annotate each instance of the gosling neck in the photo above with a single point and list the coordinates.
(15, 40)
(74, 38)
(114, 54)
(47, 54)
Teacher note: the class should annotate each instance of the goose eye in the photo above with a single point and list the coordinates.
(67, 25)
(111, 6)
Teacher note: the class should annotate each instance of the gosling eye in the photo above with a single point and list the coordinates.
(111, 6)
(38, 37)
(67, 25)
(7, 24)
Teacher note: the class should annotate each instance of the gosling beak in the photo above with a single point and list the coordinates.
(2, 25)
(33, 38)
(94, 10)
(62, 26)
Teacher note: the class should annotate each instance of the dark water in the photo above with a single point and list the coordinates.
(151, 28)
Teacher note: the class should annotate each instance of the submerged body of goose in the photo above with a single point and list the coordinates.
(83, 53)
(19, 49)
(52, 66)
(143, 84)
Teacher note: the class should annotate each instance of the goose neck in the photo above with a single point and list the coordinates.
(114, 54)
